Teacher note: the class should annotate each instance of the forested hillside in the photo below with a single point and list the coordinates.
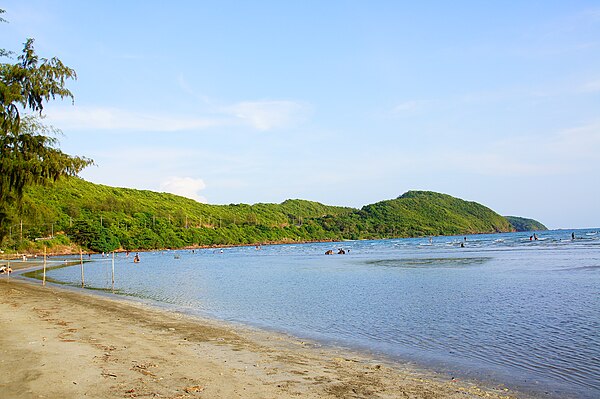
(418, 213)
(524, 224)
(102, 218)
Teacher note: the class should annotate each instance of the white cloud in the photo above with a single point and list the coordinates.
(592, 86)
(260, 115)
(184, 186)
(564, 152)
(490, 163)
(579, 143)
(407, 107)
(186, 88)
(267, 115)
(104, 118)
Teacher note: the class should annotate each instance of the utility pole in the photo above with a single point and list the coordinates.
(81, 262)
(44, 279)
(113, 271)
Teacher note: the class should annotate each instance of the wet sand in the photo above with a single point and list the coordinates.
(61, 343)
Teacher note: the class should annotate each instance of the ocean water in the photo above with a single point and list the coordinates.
(503, 308)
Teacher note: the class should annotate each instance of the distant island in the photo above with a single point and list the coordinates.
(73, 213)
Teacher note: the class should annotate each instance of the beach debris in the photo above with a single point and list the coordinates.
(107, 374)
(143, 368)
(194, 388)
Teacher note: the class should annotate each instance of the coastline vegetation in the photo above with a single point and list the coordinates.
(73, 212)
(524, 224)
(29, 153)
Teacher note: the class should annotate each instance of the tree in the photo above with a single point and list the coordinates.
(28, 151)
(3, 52)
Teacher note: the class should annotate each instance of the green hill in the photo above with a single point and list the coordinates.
(419, 213)
(103, 218)
(524, 224)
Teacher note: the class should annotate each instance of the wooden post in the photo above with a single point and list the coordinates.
(113, 270)
(44, 279)
(81, 262)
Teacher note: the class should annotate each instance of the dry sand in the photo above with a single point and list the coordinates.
(59, 343)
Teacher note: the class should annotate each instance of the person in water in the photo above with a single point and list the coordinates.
(5, 269)
(572, 235)
(136, 258)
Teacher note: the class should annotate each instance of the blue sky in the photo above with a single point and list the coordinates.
(341, 102)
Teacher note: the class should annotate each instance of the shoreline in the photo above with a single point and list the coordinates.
(74, 249)
(58, 342)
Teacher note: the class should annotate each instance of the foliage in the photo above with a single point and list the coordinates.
(29, 83)
(3, 52)
(419, 213)
(524, 224)
(103, 218)
(28, 151)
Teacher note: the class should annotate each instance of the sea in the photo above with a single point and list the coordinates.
(508, 309)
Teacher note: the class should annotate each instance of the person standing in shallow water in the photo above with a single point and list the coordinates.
(572, 235)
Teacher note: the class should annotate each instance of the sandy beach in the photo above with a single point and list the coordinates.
(60, 343)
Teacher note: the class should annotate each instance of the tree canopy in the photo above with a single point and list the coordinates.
(29, 154)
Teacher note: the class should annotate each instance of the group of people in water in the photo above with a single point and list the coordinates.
(136, 258)
(341, 251)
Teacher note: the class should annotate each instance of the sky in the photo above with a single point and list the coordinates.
(341, 102)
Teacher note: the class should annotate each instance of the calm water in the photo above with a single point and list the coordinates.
(503, 308)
